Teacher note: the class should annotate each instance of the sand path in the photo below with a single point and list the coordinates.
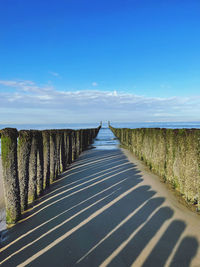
(106, 210)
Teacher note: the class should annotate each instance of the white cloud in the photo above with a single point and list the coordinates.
(55, 74)
(115, 93)
(16, 83)
(89, 105)
(94, 84)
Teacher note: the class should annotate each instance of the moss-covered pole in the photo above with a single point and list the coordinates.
(24, 150)
(69, 141)
(85, 139)
(66, 149)
(58, 152)
(90, 136)
(73, 139)
(62, 152)
(32, 188)
(10, 174)
(53, 155)
(80, 141)
(77, 134)
(94, 133)
(40, 164)
(46, 158)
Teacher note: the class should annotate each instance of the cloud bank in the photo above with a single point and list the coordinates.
(27, 102)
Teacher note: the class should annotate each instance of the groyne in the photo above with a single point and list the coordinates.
(33, 159)
(173, 154)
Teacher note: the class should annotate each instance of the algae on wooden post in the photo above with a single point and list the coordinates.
(32, 188)
(24, 150)
(90, 136)
(46, 158)
(58, 144)
(86, 138)
(77, 134)
(94, 133)
(174, 154)
(10, 174)
(40, 165)
(83, 140)
(62, 152)
(66, 151)
(69, 141)
(53, 156)
(80, 141)
(41, 155)
(198, 166)
(73, 136)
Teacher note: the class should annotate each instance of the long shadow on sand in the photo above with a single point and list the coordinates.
(97, 214)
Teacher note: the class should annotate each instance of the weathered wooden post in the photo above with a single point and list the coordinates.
(93, 133)
(46, 158)
(69, 142)
(40, 165)
(32, 188)
(58, 152)
(87, 137)
(10, 174)
(73, 139)
(53, 155)
(91, 136)
(84, 139)
(198, 160)
(66, 149)
(77, 150)
(24, 150)
(80, 141)
(62, 152)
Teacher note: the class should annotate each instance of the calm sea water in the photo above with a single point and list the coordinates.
(105, 140)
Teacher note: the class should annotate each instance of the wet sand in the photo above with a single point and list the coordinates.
(107, 209)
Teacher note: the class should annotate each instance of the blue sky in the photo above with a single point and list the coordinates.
(83, 61)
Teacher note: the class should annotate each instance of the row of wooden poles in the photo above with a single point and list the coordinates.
(33, 159)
